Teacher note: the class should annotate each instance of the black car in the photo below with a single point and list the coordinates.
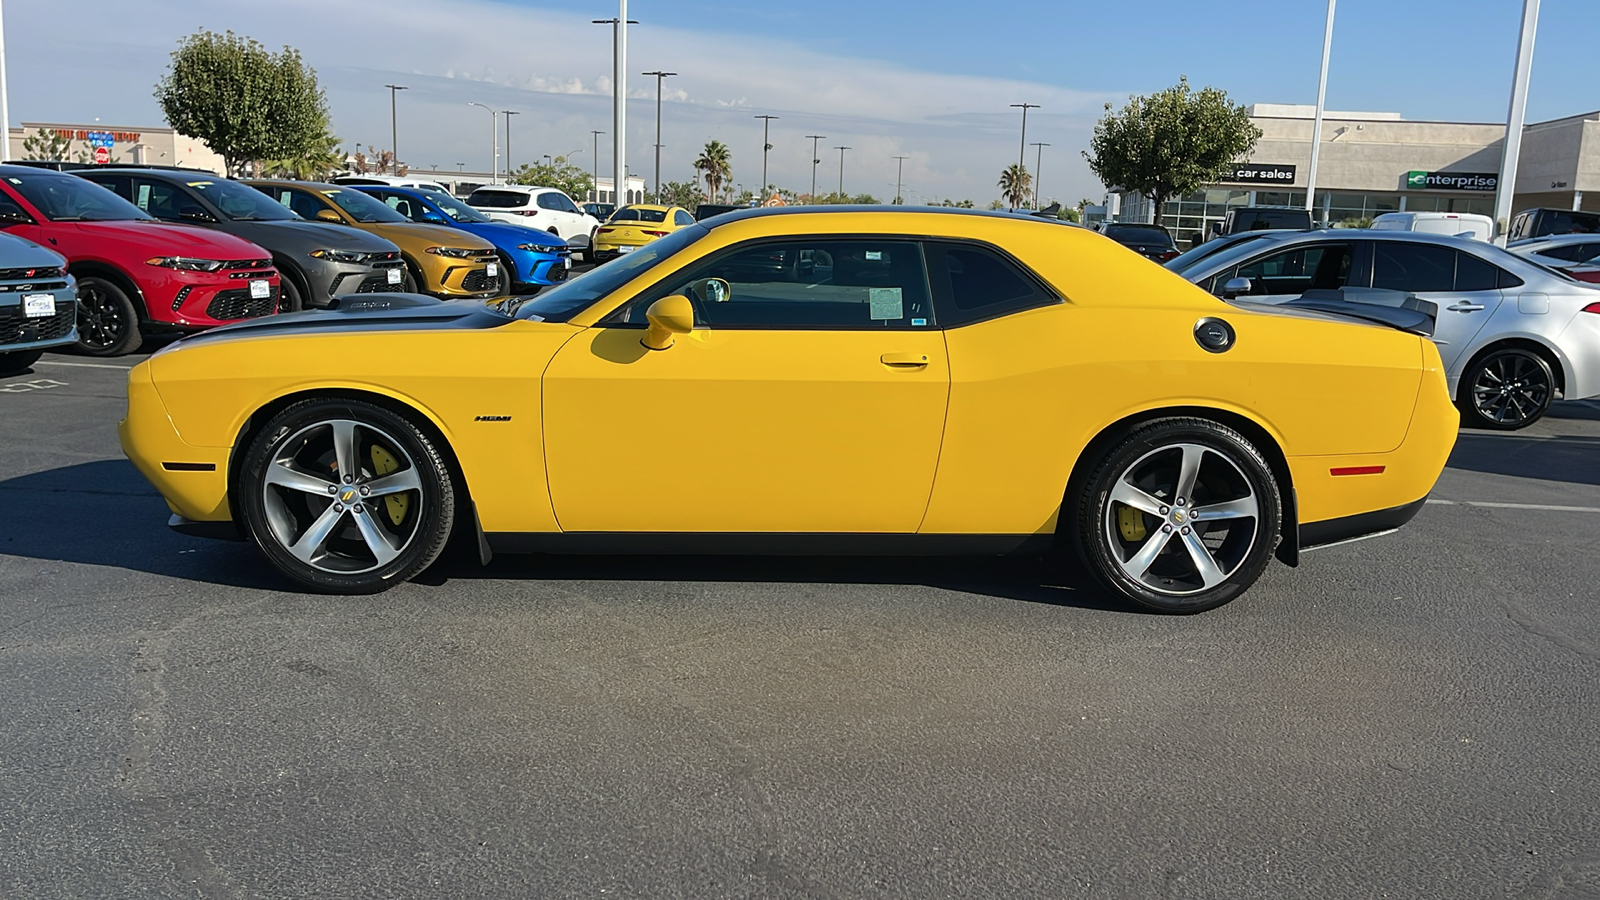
(707, 210)
(1151, 241)
(1538, 222)
(1264, 218)
(317, 260)
(600, 211)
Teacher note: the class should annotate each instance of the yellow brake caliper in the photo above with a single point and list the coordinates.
(383, 462)
(1130, 522)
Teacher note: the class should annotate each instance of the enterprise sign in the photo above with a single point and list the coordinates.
(1259, 173)
(1452, 181)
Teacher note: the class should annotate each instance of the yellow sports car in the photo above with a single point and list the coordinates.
(442, 261)
(856, 380)
(635, 225)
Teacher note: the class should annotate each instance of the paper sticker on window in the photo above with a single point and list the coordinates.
(874, 256)
(885, 303)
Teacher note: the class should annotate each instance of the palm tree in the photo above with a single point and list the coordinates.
(319, 159)
(1014, 184)
(715, 168)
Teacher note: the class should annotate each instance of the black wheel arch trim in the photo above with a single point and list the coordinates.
(109, 272)
(1361, 525)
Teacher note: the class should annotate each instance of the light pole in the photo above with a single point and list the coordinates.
(899, 170)
(394, 131)
(508, 113)
(766, 144)
(815, 161)
(841, 171)
(619, 99)
(1316, 125)
(660, 77)
(1038, 166)
(1024, 148)
(5, 101)
(596, 177)
(461, 167)
(494, 141)
(1506, 185)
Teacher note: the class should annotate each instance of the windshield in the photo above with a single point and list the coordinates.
(491, 199)
(1234, 254)
(455, 209)
(362, 208)
(68, 198)
(639, 214)
(1204, 251)
(241, 203)
(566, 301)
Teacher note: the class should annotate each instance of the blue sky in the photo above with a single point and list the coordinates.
(930, 79)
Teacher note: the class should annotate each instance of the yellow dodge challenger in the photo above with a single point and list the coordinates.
(848, 380)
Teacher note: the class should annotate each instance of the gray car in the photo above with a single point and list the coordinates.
(317, 260)
(38, 303)
(1513, 335)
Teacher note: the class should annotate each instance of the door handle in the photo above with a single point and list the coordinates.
(905, 360)
(1464, 306)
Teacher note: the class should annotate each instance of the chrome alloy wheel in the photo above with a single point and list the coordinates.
(342, 497)
(1182, 519)
(1511, 388)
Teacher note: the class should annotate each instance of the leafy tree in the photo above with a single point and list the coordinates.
(1015, 182)
(958, 204)
(559, 173)
(244, 101)
(43, 144)
(838, 198)
(679, 193)
(1071, 214)
(997, 204)
(716, 167)
(1171, 142)
(320, 159)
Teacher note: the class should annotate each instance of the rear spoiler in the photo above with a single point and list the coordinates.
(1396, 309)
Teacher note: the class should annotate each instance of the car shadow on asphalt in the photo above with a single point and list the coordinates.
(104, 513)
(1573, 459)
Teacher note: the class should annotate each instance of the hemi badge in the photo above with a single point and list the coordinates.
(492, 419)
(1357, 470)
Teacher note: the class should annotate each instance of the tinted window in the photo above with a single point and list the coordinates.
(491, 199)
(9, 206)
(164, 201)
(562, 303)
(1294, 271)
(1474, 274)
(831, 283)
(405, 206)
(240, 202)
(681, 218)
(974, 283)
(1268, 219)
(636, 214)
(1412, 268)
(1207, 250)
(1138, 234)
(68, 198)
(1574, 252)
(457, 210)
(362, 208)
(121, 185)
(303, 204)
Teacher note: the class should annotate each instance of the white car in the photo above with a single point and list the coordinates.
(1512, 335)
(1559, 251)
(392, 181)
(1467, 225)
(546, 209)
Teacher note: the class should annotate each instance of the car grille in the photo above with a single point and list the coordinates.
(479, 280)
(247, 264)
(15, 328)
(236, 303)
(30, 274)
(378, 284)
(33, 286)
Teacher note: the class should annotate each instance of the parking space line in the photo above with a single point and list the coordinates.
(1534, 506)
(51, 362)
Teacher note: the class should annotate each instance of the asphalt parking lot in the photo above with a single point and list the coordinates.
(1414, 716)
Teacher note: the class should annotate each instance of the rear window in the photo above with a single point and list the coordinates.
(489, 199)
(1138, 234)
(1269, 219)
(635, 214)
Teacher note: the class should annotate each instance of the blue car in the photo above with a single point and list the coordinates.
(38, 302)
(534, 258)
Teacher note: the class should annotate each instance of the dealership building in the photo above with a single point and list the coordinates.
(119, 144)
(1374, 162)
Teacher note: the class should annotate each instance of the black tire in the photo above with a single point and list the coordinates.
(588, 252)
(108, 321)
(412, 282)
(1505, 390)
(289, 299)
(1150, 554)
(17, 361)
(503, 288)
(281, 497)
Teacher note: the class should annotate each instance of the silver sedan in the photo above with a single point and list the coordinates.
(1514, 335)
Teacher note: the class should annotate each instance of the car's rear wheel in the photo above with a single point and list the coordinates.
(18, 361)
(1181, 516)
(108, 322)
(1506, 390)
(344, 496)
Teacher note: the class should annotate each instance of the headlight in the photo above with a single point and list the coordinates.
(456, 252)
(538, 248)
(186, 263)
(344, 256)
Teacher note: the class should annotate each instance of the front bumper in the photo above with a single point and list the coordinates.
(208, 299)
(542, 268)
(335, 279)
(452, 277)
(193, 480)
(21, 333)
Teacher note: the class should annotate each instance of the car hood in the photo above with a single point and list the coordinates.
(506, 234)
(297, 235)
(363, 312)
(21, 253)
(416, 236)
(186, 240)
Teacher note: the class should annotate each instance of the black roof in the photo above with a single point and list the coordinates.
(174, 171)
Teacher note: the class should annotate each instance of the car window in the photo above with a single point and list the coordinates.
(561, 303)
(121, 185)
(1575, 252)
(405, 206)
(822, 283)
(361, 207)
(635, 214)
(555, 200)
(162, 200)
(567, 205)
(457, 210)
(973, 283)
(238, 201)
(1412, 268)
(681, 218)
(492, 199)
(302, 203)
(10, 207)
(1207, 250)
(1296, 270)
(68, 198)
(1138, 234)
(1474, 274)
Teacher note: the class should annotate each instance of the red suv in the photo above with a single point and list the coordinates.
(135, 275)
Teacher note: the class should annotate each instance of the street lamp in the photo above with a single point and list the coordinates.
(394, 131)
(766, 122)
(619, 97)
(899, 170)
(1316, 124)
(815, 160)
(494, 141)
(660, 77)
(508, 113)
(841, 170)
(1038, 167)
(1024, 148)
(596, 177)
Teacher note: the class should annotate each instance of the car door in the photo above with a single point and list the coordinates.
(809, 398)
(1462, 289)
(1286, 273)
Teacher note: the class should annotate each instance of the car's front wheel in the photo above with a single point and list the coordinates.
(108, 322)
(1181, 516)
(344, 496)
(1506, 390)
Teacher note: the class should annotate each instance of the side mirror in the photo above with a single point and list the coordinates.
(195, 214)
(1233, 287)
(328, 215)
(667, 316)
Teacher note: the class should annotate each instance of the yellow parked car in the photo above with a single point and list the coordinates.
(881, 381)
(635, 225)
(442, 261)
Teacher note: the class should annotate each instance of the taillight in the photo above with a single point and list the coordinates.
(1593, 307)
(656, 233)
(526, 212)
(1169, 254)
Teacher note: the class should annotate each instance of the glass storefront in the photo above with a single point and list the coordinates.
(1192, 217)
